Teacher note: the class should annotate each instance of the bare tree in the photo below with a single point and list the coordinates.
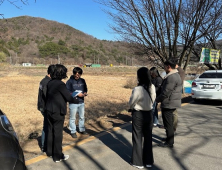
(163, 29)
(211, 39)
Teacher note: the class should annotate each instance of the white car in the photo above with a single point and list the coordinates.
(208, 86)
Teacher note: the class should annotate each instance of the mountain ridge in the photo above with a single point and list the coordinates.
(24, 39)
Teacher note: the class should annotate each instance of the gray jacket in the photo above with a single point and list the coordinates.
(171, 91)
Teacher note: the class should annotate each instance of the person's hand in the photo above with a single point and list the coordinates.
(81, 95)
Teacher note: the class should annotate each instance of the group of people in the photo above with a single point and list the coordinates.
(151, 90)
(52, 103)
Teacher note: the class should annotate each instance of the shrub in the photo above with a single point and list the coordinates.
(131, 82)
(2, 57)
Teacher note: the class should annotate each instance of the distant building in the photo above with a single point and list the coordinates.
(88, 64)
(26, 64)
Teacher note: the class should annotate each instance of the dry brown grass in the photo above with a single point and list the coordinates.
(19, 90)
(109, 90)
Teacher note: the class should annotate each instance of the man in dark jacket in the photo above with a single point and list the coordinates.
(170, 99)
(41, 103)
(76, 83)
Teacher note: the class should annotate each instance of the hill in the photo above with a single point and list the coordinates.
(40, 41)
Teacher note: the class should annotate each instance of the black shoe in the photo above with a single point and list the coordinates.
(73, 135)
(84, 133)
(163, 139)
(161, 126)
(165, 145)
(44, 150)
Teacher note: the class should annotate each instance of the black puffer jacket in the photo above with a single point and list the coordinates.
(157, 81)
(42, 93)
(170, 96)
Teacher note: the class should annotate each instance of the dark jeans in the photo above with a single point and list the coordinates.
(44, 132)
(155, 113)
(142, 125)
(55, 135)
(167, 115)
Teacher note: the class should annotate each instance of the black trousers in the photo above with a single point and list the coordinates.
(55, 135)
(45, 130)
(167, 115)
(142, 125)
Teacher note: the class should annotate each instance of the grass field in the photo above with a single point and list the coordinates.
(105, 106)
(19, 90)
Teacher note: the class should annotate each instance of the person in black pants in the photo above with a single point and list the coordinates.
(141, 103)
(41, 105)
(56, 107)
(170, 98)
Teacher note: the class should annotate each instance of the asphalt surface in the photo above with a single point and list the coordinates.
(197, 145)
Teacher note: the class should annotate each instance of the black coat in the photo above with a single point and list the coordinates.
(57, 97)
(42, 93)
(157, 81)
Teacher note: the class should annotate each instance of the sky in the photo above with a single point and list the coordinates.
(84, 15)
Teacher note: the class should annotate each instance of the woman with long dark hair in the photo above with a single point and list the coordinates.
(141, 103)
(56, 107)
(157, 81)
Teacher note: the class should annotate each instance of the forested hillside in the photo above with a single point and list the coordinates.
(41, 41)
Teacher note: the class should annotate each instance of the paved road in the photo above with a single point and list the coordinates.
(197, 146)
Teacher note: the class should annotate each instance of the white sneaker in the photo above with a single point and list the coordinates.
(139, 167)
(148, 166)
(65, 158)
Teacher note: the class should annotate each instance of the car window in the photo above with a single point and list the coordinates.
(211, 75)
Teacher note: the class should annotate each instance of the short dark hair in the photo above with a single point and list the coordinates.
(60, 72)
(171, 62)
(143, 76)
(77, 70)
(50, 68)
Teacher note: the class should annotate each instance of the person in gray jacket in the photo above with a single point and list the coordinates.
(170, 98)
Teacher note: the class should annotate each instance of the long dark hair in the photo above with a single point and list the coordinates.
(155, 71)
(60, 72)
(144, 78)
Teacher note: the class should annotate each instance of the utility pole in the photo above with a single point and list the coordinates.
(15, 58)
(10, 59)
